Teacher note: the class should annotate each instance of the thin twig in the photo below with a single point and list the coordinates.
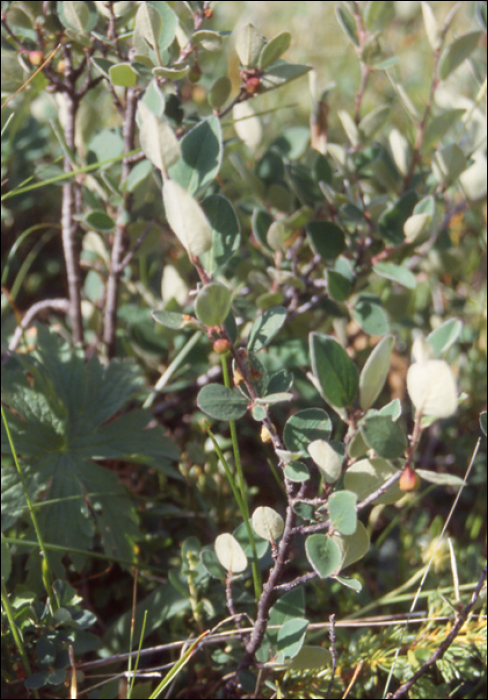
(61, 305)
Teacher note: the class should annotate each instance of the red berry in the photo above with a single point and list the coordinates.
(36, 57)
(409, 480)
(221, 346)
(253, 85)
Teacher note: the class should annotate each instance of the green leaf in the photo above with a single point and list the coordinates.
(291, 637)
(338, 286)
(323, 554)
(158, 140)
(346, 20)
(370, 316)
(169, 319)
(342, 511)
(373, 121)
(311, 658)
(326, 239)
(375, 371)
(266, 327)
(169, 22)
(384, 436)
(210, 41)
(327, 459)
(282, 73)
(186, 218)
(440, 479)
(170, 73)
(352, 547)
(392, 409)
(397, 273)
(274, 49)
(221, 403)
(439, 126)
(280, 381)
(230, 553)
(304, 427)
(201, 156)
(226, 233)
(6, 561)
(368, 475)
(457, 52)
(337, 374)
(448, 163)
(68, 417)
(474, 179)
(351, 583)
(98, 220)
(213, 304)
(77, 16)
(267, 523)
(297, 471)
(392, 221)
(148, 24)
(249, 44)
(123, 74)
(219, 92)
(483, 422)
(432, 388)
(211, 564)
(431, 27)
(444, 336)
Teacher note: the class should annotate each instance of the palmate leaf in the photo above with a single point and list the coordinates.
(63, 418)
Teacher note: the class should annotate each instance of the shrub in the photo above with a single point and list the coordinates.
(288, 484)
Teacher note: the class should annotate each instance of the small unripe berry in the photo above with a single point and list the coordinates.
(409, 480)
(195, 73)
(265, 436)
(253, 85)
(36, 57)
(221, 346)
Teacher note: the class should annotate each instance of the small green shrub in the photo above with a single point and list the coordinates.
(299, 309)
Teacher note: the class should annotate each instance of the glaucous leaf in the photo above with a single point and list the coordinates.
(213, 304)
(445, 335)
(327, 459)
(342, 511)
(375, 371)
(304, 427)
(221, 403)
(368, 475)
(323, 554)
(282, 73)
(123, 74)
(334, 369)
(267, 523)
(352, 547)
(431, 26)
(274, 49)
(187, 219)
(384, 436)
(158, 140)
(432, 388)
(397, 273)
(369, 315)
(266, 327)
(219, 92)
(440, 479)
(457, 52)
(326, 239)
(249, 44)
(230, 553)
(201, 156)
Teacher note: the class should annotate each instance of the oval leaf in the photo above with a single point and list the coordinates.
(201, 156)
(230, 553)
(186, 218)
(457, 52)
(352, 547)
(304, 427)
(384, 436)
(274, 49)
(265, 327)
(249, 44)
(267, 523)
(368, 475)
(323, 554)
(397, 273)
(444, 336)
(221, 403)
(213, 304)
(158, 140)
(226, 231)
(334, 369)
(370, 316)
(328, 460)
(375, 372)
(342, 511)
(440, 479)
(432, 388)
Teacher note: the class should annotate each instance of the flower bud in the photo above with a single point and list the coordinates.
(221, 346)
